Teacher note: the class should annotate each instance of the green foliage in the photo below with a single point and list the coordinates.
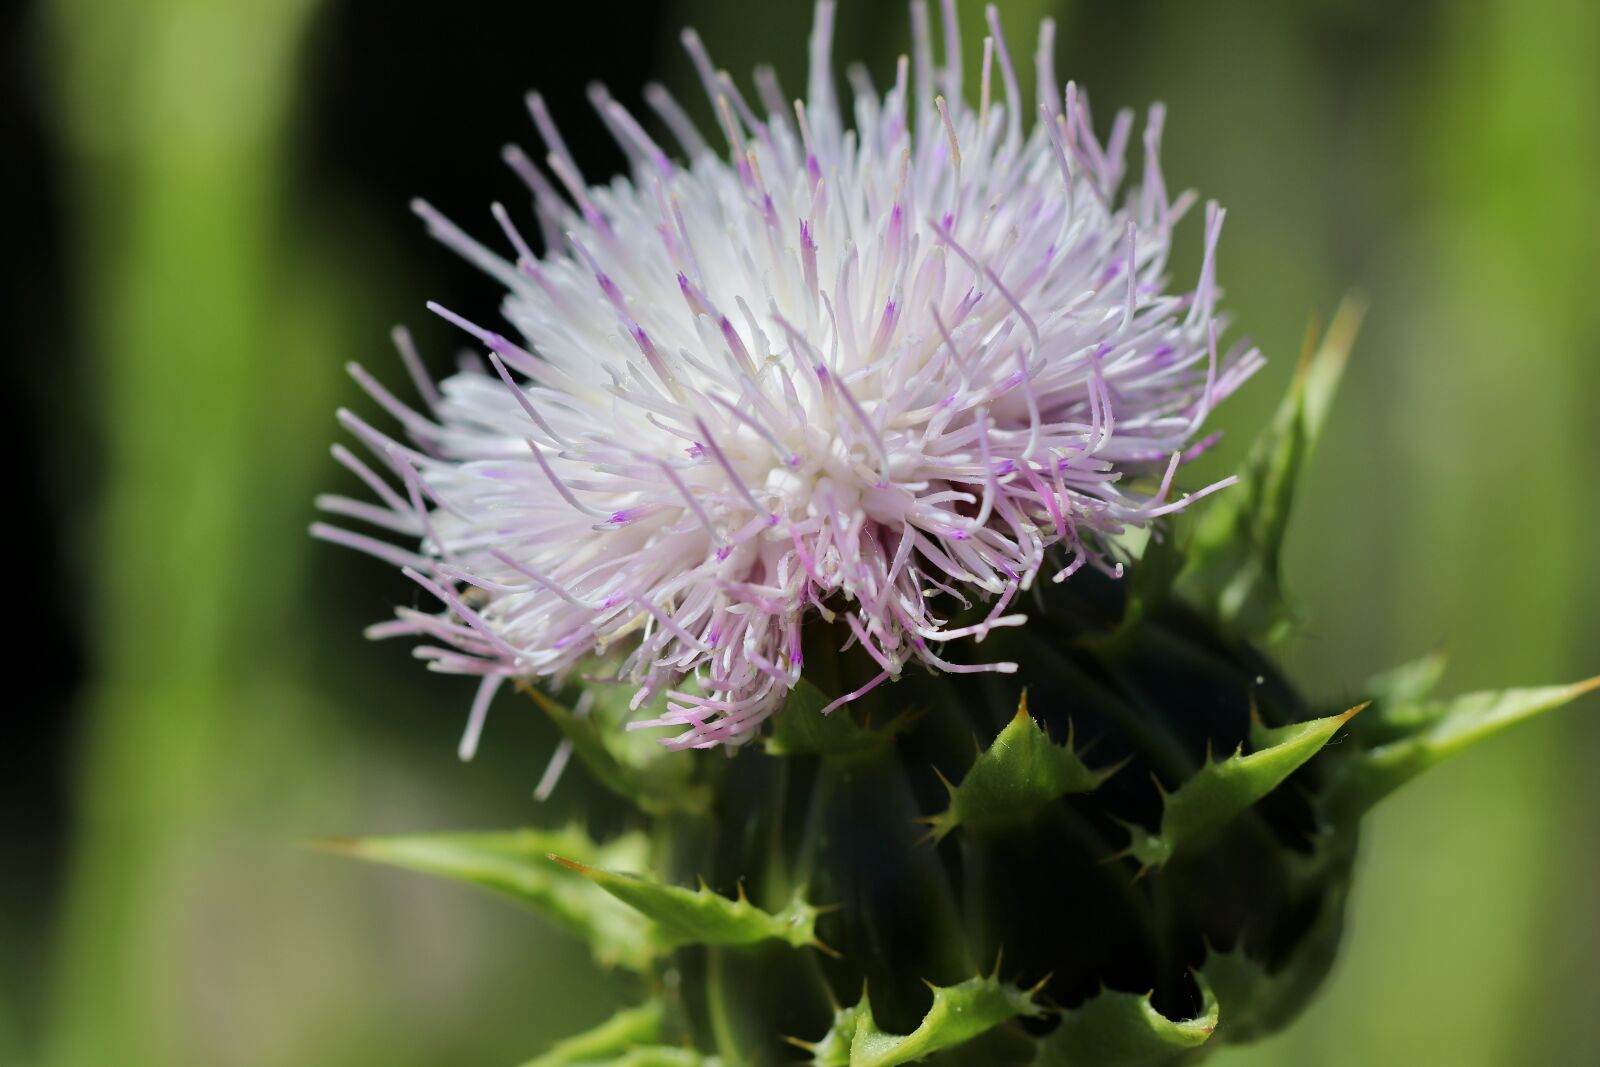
(1021, 770)
(1222, 789)
(958, 1014)
(634, 767)
(516, 864)
(1235, 559)
(1425, 734)
(1115, 1029)
(702, 916)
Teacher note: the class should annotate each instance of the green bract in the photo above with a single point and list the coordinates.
(1148, 825)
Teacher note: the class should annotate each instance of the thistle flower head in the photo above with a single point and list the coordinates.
(874, 359)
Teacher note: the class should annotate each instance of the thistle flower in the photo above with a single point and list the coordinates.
(831, 403)
(872, 366)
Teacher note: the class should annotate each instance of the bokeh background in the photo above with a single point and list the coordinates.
(208, 218)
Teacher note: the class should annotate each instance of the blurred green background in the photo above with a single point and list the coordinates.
(211, 220)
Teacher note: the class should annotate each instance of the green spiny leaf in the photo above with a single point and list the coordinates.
(627, 763)
(959, 1013)
(1234, 558)
(801, 729)
(623, 1032)
(1442, 729)
(833, 1050)
(1223, 789)
(516, 864)
(1020, 771)
(1115, 1029)
(701, 916)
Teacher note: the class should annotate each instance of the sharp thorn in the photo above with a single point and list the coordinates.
(1101, 777)
(827, 950)
(1346, 716)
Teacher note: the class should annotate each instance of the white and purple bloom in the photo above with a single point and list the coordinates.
(871, 361)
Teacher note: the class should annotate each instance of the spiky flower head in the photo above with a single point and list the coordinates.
(877, 361)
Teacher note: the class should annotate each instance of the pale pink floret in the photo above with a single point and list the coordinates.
(876, 368)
